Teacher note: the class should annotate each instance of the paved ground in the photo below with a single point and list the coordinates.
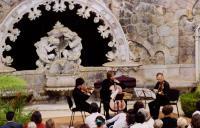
(61, 113)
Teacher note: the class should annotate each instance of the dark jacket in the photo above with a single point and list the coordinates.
(79, 97)
(12, 124)
(105, 91)
(169, 122)
(163, 98)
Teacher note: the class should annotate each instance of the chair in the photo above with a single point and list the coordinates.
(174, 97)
(73, 110)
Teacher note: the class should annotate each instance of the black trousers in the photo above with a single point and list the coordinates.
(106, 107)
(84, 107)
(154, 106)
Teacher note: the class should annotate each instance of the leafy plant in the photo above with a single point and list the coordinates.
(8, 82)
(188, 101)
(13, 98)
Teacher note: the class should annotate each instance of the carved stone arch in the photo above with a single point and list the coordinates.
(164, 50)
(111, 25)
(159, 57)
(152, 50)
(140, 52)
(147, 45)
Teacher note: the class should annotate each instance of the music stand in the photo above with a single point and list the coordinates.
(144, 94)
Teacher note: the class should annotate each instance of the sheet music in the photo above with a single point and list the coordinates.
(144, 93)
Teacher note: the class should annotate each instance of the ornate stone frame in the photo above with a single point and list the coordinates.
(112, 26)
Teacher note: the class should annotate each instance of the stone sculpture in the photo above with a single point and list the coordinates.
(60, 44)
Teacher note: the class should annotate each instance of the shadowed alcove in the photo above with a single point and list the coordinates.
(23, 50)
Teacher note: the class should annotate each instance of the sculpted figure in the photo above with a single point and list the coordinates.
(43, 47)
(61, 44)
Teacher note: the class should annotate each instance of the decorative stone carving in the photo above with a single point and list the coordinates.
(159, 57)
(84, 12)
(61, 43)
(13, 34)
(43, 47)
(104, 30)
(59, 6)
(139, 53)
(111, 27)
(61, 75)
(62, 66)
(34, 13)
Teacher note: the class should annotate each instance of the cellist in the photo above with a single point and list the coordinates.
(105, 91)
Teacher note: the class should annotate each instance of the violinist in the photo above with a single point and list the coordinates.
(162, 95)
(105, 92)
(80, 94)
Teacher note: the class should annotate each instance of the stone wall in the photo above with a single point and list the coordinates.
(159, 31)
(178, 75)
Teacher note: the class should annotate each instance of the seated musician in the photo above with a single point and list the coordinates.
(162, 90)
(105, 92)
(81, 94)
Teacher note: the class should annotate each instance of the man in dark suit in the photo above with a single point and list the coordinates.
(80, 95)
(105, 92)
(162, 96)
(11, 123)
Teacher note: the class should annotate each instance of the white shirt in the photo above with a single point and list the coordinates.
(119, 121)
(90, 120)
(139, 125)
(149, 123)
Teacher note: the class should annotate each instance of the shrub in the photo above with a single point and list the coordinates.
(13, 98)
(188, 101)
(8, 82)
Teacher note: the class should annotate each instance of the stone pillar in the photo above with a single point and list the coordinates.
(197, 54)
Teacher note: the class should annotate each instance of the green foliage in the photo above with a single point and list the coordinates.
(8, 82)
(16, 105)
(197, 91)
(13, 98)
(188, 103)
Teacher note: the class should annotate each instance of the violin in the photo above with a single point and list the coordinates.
(116, 104)
(86, 89)
(160, 88)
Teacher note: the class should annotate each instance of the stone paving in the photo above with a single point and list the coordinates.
(62, 109)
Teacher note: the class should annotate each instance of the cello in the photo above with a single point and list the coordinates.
(116, 103)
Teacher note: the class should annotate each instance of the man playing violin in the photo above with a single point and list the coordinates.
(162, 95)
(81, 94)
(105, 92)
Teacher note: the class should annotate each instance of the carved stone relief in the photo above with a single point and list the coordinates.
(159, 57)
(61, 43)
(186, 40)
(139, 52)
(111, 26)
(156, 22)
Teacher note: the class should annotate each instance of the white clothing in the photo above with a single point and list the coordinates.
(90, 120)
(196, 112)
(119, 121)
(149, 123)
(139, 125)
